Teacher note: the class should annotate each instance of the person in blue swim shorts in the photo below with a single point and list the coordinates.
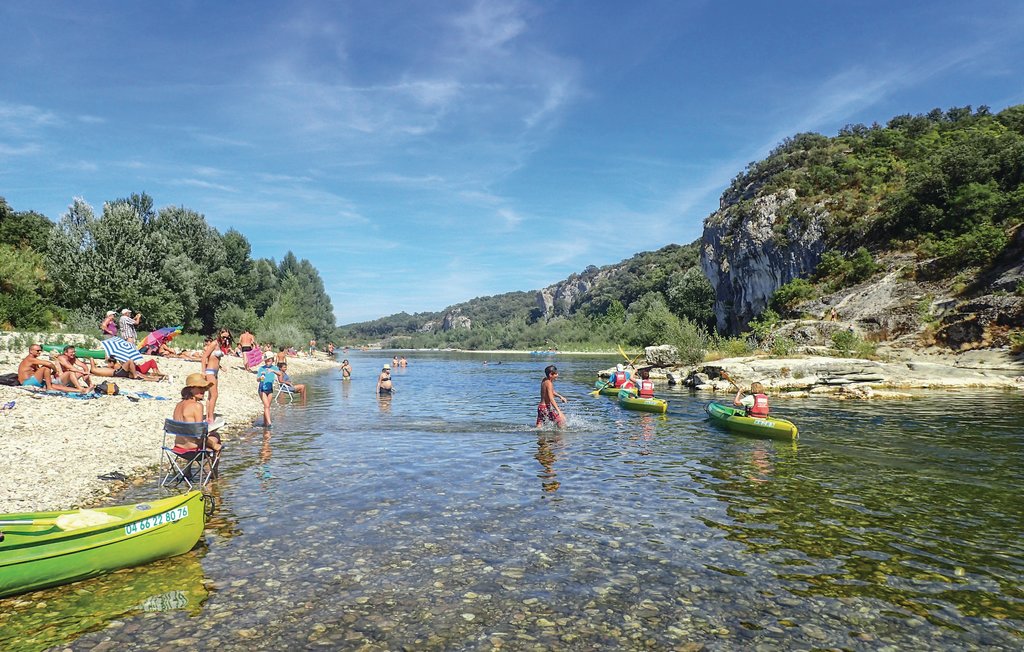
(36, 372)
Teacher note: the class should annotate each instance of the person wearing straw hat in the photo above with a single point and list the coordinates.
(190, 409)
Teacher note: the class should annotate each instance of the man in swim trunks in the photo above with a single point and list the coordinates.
(78, 371)
(211, 369)
(547, 409)
(246, 341)
(36, 372)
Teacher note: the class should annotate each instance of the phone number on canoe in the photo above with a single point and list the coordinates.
(149, 523)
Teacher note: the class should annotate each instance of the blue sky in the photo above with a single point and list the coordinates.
(424, 153)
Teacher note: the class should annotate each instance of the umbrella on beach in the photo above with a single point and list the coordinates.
(160, 336)
(121, 349)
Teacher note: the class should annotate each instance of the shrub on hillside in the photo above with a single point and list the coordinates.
(791, 294)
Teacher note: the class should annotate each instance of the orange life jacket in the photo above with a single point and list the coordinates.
(618, 379)
(760, 408)
(647, 388)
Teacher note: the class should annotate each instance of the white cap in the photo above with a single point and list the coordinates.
(111, 312)
(126, 311)
(618, 367)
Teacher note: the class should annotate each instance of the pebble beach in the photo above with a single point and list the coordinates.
(57, 448)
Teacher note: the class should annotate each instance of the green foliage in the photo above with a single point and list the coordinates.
(1016, 341)
(689, 295)
(975, 248)
(691, 341)
(1019, 290)
(842, 271)
(23, 289)
(765, 323)
(783, 347)
(788, 296)
(175, 269)
(849, 344)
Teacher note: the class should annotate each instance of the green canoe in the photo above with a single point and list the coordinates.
(736, 420)
(99, 354)
(606, 388)
(629, 400)
(35, 552)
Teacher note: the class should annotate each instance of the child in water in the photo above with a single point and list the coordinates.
(547, 409)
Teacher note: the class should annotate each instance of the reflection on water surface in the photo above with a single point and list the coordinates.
(440, 519)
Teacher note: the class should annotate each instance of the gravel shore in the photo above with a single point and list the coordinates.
(55, 448)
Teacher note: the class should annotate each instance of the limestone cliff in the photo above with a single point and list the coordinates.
(750, 247)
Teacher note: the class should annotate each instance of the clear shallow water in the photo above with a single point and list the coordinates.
(441, 519)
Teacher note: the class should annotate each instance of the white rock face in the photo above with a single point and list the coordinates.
(751, 248)
(454, 320)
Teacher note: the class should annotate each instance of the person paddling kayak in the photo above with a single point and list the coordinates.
(756, 402)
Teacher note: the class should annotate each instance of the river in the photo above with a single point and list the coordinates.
(441, 519)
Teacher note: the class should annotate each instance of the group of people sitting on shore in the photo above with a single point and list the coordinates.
(68, 373)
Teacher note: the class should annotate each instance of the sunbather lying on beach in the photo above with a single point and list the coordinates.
(115, 369)
(36, 372)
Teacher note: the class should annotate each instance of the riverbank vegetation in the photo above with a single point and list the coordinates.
(168, 264)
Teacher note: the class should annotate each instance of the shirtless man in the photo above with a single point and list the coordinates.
(548, 409)
(210, 363)
(190, 410)
(246, 341)
(36, 372)
(78, 371)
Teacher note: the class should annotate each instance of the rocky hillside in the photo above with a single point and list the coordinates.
(909, 233)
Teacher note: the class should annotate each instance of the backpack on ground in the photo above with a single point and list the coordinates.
(107, 388)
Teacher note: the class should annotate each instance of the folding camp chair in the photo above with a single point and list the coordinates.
(287, 390)
(193, 466)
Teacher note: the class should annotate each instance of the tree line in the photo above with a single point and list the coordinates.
(168, 264)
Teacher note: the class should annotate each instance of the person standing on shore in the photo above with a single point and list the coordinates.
(246, 342)
(547, 409)
(128, 324)
(211, 369)
(109, 324)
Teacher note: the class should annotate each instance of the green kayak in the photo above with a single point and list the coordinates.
(99, 354)
(607, 389)
(629, 400)
(42, 549)
(736, 420)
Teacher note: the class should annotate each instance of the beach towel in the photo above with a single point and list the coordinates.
(253, 357)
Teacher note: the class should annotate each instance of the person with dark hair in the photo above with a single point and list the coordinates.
(78, 371)
(210, 362)
(547, 409)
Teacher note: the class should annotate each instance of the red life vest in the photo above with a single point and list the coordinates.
(618, 379)
(760, 408)
(647, 388)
